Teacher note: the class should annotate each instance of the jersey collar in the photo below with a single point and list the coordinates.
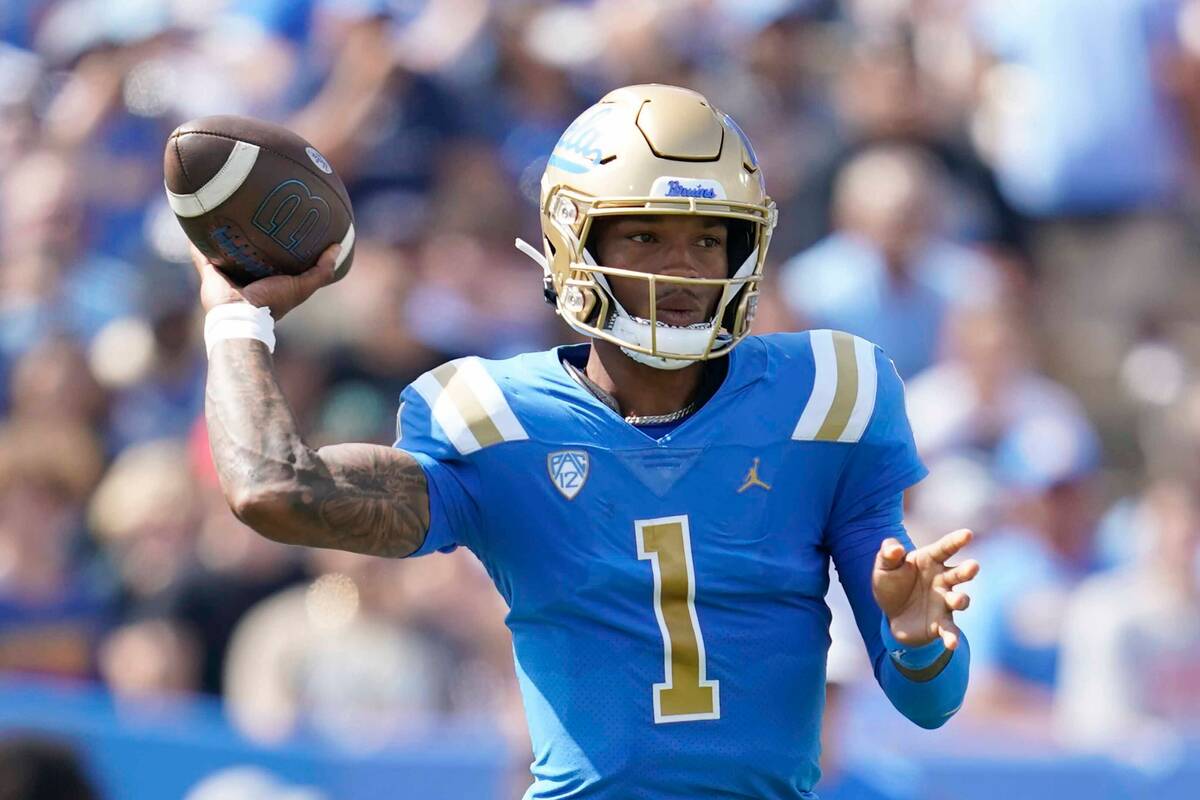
(747, 365)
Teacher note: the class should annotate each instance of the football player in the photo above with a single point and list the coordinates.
(658, 506)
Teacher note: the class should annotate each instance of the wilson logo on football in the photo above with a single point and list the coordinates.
(292, 215)
(568, 471)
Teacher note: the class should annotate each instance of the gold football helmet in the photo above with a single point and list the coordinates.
(652, 149)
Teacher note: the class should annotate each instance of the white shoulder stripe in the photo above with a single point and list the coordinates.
(864, 404)
(446, 414)
(491, 398)
(469, 406)
(229, 178)
(824, 386)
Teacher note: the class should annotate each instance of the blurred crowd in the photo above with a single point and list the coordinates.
(1001, 193)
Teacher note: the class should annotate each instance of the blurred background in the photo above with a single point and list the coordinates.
(1002, 193)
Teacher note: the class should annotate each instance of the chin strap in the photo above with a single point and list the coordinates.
(548, 292)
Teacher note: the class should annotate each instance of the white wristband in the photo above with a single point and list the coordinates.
(238, 321)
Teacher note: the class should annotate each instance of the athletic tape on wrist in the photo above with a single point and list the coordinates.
(238, 321)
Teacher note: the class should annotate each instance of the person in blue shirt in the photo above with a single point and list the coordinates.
(658, 506)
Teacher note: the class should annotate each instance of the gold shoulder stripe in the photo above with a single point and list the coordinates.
(469, 406)
(843, 394)
(846, 392)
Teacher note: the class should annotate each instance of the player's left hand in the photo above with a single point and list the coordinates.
(916, 589)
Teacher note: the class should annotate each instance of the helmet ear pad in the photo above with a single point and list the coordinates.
(740, 240)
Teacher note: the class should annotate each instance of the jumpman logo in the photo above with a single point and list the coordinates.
(752, 479)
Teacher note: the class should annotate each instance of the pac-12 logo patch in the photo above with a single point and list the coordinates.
(568, 471)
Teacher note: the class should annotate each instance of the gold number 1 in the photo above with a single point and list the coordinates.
(686, 694)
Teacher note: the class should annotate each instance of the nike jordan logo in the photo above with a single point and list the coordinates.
(752, 479)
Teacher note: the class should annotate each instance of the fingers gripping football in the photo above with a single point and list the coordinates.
(281, 293)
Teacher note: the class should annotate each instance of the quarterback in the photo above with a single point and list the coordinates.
(658, 506)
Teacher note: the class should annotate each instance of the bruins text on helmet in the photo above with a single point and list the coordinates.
(652, 149)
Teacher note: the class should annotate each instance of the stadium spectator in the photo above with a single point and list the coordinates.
(144, 512)
(234, 570)
(887, 274)
(249, 783)
(33, 767)
(1060, 125)
(1129, 680)
(150, 659)
(330, 658)
(50, 280)
(52, 608)
(985, 385)
(1041, 550)
(52, 382)
(961, 408)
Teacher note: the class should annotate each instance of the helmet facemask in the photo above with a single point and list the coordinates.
(585, 299)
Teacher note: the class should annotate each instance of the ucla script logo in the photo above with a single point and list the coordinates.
(568, 471)
(677, 189)
(579, 148)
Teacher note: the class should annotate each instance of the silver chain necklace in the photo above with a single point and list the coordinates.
(662, 419)
(608, 400)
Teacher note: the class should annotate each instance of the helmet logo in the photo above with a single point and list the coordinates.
(699, 188)
(677, 189)
(568, 471)
(578, 151)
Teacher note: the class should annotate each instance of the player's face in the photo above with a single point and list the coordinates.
(679, 246)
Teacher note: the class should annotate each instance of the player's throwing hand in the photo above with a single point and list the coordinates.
(281, 293)
(916, 589)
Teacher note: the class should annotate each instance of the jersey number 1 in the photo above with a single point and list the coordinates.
(686, 694)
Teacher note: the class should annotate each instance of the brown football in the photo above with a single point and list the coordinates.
(256, 198)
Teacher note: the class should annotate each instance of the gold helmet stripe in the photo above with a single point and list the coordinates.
(844, 385)
(469, 406)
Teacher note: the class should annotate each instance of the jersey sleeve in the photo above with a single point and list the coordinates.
(884, 461)
(452, 480)
(926, 684)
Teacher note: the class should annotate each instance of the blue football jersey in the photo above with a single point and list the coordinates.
(666, 595)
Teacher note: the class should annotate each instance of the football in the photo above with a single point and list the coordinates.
(255, 198)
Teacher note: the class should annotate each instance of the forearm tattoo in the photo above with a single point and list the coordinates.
(360, 497)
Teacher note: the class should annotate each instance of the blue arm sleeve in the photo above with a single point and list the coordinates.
(868, 508)
(928, 703)
(451, 479)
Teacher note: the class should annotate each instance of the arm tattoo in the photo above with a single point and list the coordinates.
(360, 497)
